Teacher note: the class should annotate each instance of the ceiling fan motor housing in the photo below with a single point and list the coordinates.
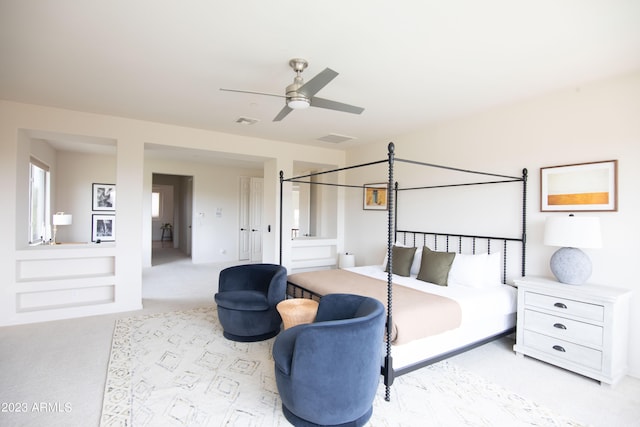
(295, 99)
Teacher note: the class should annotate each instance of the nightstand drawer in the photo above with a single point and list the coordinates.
(565, 306)
(566, 329)
(564, 350)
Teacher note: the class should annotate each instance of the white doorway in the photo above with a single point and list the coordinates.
(172, 212)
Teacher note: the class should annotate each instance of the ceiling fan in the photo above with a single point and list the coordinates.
(301, 95)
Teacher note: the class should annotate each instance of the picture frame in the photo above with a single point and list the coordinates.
(583, 187)
(374, 197)
(103, 197)
(103, 228)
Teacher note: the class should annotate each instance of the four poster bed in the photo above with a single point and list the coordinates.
(438, 304)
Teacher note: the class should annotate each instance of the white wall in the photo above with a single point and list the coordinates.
(594, 122)
(74, 177)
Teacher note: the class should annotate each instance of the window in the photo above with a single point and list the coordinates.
(40, 201)
(155, 205)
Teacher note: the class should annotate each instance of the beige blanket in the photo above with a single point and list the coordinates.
(415, 314)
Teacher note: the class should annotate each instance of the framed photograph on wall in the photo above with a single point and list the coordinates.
(103, 197)
(374, 197)
(103, 228)
(584, 187)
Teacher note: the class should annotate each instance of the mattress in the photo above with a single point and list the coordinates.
(486, 312)
(416, 314)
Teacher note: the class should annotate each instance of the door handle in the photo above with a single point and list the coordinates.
(253, 229)
(243, 229)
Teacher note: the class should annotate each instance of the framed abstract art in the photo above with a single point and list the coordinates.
(580, 187)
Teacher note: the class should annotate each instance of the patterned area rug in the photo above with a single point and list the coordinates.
(176, 369)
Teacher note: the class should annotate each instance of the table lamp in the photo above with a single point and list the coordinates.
(569, 264)
(60, 218)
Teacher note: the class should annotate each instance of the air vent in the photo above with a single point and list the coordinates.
(335, 138)
(247, 121)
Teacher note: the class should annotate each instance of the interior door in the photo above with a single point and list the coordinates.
(244, 241)
(188, 208)
(255, 218)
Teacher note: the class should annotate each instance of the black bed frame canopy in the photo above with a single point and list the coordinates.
(392, 231)
(393, 188)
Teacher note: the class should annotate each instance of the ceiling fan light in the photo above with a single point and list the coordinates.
(298, 103)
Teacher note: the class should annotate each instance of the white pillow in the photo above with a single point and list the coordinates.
(476, 271)
(468, 270)
(493, 274)
(417, 261)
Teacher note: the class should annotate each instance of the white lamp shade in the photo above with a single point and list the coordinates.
(62, 218)
(573, 232)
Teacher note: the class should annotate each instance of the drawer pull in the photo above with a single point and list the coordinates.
(559, 348)
(559, 326)
(559, 305)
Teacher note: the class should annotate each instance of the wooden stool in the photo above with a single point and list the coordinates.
(297, 311)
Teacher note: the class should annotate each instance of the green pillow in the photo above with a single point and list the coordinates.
(435, 266)
(402, 259)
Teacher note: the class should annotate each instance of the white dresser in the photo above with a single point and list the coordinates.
(582, 328)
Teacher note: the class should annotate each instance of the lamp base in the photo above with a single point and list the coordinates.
(571, 266)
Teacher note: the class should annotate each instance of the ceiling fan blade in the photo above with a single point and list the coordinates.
(334, 105)
(311, 87)
(251, 92)
(283, 113)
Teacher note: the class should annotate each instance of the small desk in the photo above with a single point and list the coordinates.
(297, 311)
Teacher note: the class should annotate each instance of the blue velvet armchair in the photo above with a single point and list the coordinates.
(247, 298)
(327, 372)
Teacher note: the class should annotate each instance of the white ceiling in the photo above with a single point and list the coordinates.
(408, 63)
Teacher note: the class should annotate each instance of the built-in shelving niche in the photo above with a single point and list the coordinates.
(58, 278)
(313, 253)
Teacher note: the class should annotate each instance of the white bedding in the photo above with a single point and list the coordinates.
(485, 312)
(475, 302)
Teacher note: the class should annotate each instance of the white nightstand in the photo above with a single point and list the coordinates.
(584, 328)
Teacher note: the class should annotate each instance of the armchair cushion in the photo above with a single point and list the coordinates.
(243, 300)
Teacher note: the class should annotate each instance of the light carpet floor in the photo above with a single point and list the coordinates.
(176, 369)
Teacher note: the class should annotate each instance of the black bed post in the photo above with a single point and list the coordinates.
(395, 212)
(281, 230)
(388, 360)
(525, 174)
